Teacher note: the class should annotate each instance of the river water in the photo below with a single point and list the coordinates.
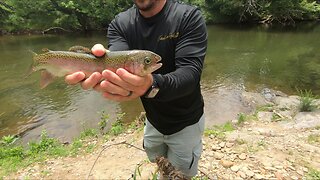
(239, 58)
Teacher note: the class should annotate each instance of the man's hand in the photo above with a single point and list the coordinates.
(122, 85)
(118, 86)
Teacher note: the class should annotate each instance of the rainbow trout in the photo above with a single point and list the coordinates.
(60, 63)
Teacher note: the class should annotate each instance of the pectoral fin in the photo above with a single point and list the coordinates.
(46, 78)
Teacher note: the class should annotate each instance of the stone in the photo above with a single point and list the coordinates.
(215, 147)
(259, 176)
(242, 156)
(249, 173)
(278, 175)
(229, 144)
(226, 163)
(222, 144)
(265, 116)
(235, 168)
(218, 155)
(242, 174)
(300, 172)
(279, 167)
(307, 120)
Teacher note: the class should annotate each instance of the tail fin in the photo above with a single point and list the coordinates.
(34, 63)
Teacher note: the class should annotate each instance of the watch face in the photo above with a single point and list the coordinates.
(153, 92)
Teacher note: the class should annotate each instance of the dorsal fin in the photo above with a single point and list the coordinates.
(45, 50)
(80, 49)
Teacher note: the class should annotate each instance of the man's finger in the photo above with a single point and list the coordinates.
(132, 78)
(92, 81)
(113, 89)
(98, 50)
(117, 98)
(115, 79)
(74, 78)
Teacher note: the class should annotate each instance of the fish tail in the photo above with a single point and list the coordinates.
(34, 63)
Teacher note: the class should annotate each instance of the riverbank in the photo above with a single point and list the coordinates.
(276, 141)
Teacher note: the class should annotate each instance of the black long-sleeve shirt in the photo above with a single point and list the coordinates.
(178, 34)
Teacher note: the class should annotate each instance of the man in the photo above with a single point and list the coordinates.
(171, 96)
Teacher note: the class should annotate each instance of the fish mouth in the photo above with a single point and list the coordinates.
(156, 67)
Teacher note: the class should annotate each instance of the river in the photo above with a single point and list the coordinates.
(239, 58)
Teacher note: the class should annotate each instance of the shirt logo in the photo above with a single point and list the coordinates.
(169, 36)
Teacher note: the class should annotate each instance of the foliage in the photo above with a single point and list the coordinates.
(241, 119)
(117, 127)
(68, 14)
(22, 15)
(313, 174)
(265, 11)
(8, 140)
(306, 101)
(103, 122)
(14, 156)
(314, 138)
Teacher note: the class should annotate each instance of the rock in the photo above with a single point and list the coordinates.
(279, 167)
(226, 163)
(249, 173)
(218, 155)
(265, 116)
(222, 144)
(235, 168)
(215, 147)
(292, 168)
(242, 156)
(278, 175)
(300, 172)
(291, 102)
(229, 144)
(307, 120)
(242, 174)
(253, 99)
(258, 176)
(268, 94)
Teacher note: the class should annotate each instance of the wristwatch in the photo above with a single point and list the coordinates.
(153, 90)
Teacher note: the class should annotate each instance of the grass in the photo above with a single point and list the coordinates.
(313, 174)
(314, 138)
(14, 156)
(219, 131)
(241, 119)
(307, 101)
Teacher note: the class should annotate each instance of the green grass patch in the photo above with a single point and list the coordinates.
(219, 131)
(314, 138)
(241, 118)
(313, 174)
(307, 100)
(15, 156)
(267, 108)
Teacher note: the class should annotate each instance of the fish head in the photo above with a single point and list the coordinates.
(143, 62)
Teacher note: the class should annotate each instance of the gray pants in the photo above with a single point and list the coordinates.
(183, 149)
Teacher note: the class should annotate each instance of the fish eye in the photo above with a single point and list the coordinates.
(147, 60)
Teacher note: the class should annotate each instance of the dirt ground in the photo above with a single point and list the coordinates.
(255, 150)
